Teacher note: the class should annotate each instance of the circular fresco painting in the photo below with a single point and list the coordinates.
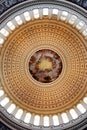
(45, 66)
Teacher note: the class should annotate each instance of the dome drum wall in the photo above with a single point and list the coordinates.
(14, 70)
(44, 30)
(75, 124)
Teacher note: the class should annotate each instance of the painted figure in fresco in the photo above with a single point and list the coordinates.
(45, 66)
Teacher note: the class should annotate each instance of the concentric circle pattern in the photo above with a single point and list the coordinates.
(33, 96)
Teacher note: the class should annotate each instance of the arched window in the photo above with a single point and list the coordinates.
(18, 20)
(27, 118)
(55, 11)
(11, 25)
(1, 93)
(4, 32)
(11, 108)
(46, 121)
(81, 108)
(4, 101)
(1, 40)
(64, 15)
(36, 13)
(55, 120)
(73, 114)
(27, 16)
(19, 113)
(85, 100)
(65, 118)
(37, 120)
(45, 11)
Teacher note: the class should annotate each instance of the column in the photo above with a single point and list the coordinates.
(8, 104)
(15, 23)
(32, 119)
(51, 120)
(15, 111)
(77, 111)
(2, 97)
(84, 105)
(23, 116)
(60, 119)
(41, 120)
(69, 116)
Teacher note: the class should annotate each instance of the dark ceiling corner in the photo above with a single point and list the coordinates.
(82, 3)
(3, 127)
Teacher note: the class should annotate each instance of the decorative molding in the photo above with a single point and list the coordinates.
(6, 4)
(73, 125)
(82, 3)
